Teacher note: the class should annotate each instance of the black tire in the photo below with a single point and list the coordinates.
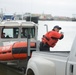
(30, 72)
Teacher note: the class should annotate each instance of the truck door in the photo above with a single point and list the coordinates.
(71, 64)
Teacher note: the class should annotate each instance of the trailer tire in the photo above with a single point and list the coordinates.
(30, 72)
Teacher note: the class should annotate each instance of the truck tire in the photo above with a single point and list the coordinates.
(30, 72)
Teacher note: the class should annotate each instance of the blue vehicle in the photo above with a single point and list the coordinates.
(6, 17)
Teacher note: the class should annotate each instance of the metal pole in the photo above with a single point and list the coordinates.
(30, 17)
(28, 44)
(46, 27)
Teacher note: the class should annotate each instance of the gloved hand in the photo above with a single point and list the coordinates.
(62, 35)
(62, 32)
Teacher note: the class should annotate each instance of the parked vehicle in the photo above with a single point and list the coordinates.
(55, 62)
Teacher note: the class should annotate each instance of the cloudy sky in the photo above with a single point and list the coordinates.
(53, 7)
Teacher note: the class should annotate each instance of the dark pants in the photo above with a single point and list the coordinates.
(44, 47)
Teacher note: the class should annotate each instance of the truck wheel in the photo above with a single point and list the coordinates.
(30, 72)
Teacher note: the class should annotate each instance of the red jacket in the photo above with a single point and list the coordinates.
(51, 38)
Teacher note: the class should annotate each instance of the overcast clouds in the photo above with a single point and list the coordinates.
(53, 7)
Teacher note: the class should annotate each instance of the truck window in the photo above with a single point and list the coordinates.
(10, 33)
(25, 31)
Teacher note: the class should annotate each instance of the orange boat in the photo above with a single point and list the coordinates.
(16, 51)
(15, 38)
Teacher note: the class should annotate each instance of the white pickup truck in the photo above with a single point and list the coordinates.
(53, 63)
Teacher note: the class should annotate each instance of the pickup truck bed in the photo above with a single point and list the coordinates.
(57, 53)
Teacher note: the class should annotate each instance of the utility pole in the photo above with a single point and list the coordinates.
(1, 13)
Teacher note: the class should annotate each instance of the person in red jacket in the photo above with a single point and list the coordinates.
(51, 38)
